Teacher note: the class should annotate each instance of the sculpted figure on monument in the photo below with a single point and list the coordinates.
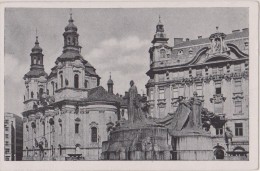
(132, 109)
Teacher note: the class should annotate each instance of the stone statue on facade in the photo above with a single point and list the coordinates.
(228, 137)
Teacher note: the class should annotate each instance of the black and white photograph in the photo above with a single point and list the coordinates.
(128, 84)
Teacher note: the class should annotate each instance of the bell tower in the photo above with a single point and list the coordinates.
(71, 37)
(110, 85)
(160, 37)
(35, 79)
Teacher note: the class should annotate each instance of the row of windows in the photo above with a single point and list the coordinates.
(215, 71)
(179, 91)
(93, 131)
(76, 81)
(238, 130)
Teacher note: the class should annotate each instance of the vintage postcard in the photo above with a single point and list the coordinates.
(129, 85)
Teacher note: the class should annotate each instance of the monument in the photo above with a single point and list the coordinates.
(178, 136)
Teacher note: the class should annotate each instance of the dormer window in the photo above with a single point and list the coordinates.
(180, 52)
(162, 53)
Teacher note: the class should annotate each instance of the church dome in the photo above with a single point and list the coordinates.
(110, 81)
(36, 47)
(71, 26)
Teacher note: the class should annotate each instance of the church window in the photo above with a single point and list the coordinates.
(66, 82)
(238, 85)
(40, 92)
(238, 107)
(162, 53)
(61, 81)
(86, 84)
(31, 94)
(218, 87)
(76, 128)
(52, 84)
(238, 129)
(76, 81)
(39, 60)
(93, 134)
(43, 125)
(161, 93)
(34, 60)
(60, 129)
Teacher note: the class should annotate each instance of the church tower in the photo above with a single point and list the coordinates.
(160, 37)
(110, 85)
(71, 37)
(35, 79)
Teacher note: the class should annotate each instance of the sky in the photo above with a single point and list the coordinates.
(113, 40)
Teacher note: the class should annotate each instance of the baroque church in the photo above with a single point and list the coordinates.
(67, 113)
(216, 68)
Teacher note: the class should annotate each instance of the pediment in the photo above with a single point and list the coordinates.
(204, 55)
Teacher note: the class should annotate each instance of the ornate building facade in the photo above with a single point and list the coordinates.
(216, 68)
(66, 113)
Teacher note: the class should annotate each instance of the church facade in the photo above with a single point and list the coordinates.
(216, 68)
(66, 113)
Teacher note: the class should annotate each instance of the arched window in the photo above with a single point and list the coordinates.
(61, 81)
(40, 92)
(34, 60)
(39, 60)
(60, 149)
(43, 125)
(31, 94)
(163, 53)
(93, 134)
(52, 84)
(86, 84)
(76, 81)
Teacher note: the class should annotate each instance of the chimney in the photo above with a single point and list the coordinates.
(199, 37)
(187, 39)
(178, 41)
(235, 31)
(245, 29)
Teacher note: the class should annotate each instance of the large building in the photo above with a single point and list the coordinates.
(66, 112)
(13, 137)
(216, 68)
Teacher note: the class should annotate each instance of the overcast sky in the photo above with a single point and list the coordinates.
(112, 40)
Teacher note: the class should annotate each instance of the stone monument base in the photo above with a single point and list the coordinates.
(138, 144)
(192, 147)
